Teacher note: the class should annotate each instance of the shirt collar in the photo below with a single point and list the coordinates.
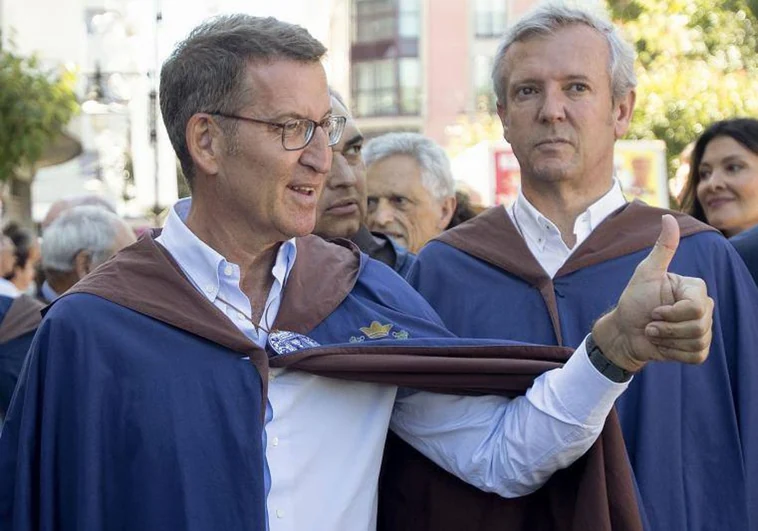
(534, 225)
(9, 289)
(203, 264)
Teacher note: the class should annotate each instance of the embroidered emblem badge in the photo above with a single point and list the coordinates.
(376, 330)
(283, 342)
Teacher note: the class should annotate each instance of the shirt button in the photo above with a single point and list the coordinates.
(209, 288)
(228, 270)
(240, 316)
(271, 375)
(279, 513)
(275, 441)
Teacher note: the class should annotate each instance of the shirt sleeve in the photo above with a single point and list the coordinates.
(511, 446)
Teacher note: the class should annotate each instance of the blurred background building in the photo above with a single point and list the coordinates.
(116, 47)
(402, 65)
(418, 65)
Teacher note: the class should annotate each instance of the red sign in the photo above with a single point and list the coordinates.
(507, 175)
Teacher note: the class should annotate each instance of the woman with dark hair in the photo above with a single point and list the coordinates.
(27, 256)
(722, 187)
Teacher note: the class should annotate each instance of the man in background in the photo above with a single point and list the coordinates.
(78, 241)
(7, 263)
(342, 206)
(411, 192)
(61, 205)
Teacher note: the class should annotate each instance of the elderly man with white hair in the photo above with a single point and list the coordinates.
(77, 242)
(411, 192)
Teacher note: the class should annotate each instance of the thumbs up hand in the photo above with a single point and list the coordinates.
(660, 316)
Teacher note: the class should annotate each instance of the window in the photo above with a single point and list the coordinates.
(374, 21)
(409, 19)
(409, 70)
(387, 87)
(385, 69)
(489, 18)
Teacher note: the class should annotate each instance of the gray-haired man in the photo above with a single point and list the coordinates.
(411, 193)
(77, 242)
(546, 267)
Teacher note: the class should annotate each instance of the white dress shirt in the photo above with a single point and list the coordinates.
(324, 437)
(544, 239)
(9, 289)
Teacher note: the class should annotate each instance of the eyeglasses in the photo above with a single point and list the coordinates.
(298, 132)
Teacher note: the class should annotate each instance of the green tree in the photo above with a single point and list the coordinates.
(35, 106)
(697, 63)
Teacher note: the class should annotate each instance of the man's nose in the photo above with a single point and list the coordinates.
(341, 174)
(317, 154)
(553, 106)
(383, 215)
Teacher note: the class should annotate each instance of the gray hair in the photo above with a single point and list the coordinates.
(334, 93)
(546, 20)
(436, 175)
(206, 71)
(82, 228)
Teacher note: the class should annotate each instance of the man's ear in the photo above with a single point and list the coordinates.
(448, 209)
(82, 263)
(203, 143)
(502, 113)
(622, 113)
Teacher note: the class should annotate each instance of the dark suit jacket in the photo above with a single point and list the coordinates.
(746, 244)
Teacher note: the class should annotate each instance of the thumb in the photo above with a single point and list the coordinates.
(657, 262)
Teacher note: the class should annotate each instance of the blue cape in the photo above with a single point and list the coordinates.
(141, 405)
(746, 244)
(19, 318)
(690, 430)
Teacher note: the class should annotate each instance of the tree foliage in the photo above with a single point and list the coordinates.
(35, 106)
(697, 63)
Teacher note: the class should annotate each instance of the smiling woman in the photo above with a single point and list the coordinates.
(722, 187)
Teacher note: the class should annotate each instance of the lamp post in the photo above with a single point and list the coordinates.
(153, 113)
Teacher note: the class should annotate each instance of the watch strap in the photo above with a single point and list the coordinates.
(605, 366)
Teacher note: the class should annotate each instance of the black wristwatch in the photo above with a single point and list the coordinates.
(605, 366)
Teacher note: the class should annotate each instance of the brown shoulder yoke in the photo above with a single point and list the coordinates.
(23, 316)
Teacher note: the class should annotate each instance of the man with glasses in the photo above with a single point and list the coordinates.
(176, 403)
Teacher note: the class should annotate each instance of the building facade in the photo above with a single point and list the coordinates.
(420, 65)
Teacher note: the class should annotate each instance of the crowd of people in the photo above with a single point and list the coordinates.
(327, 336)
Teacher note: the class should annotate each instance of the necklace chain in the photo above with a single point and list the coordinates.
(258, 327)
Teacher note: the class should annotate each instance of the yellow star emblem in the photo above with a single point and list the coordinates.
(376, 330)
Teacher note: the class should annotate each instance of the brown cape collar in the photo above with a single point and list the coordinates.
(493, 237)
(24, 315)
(145, 278)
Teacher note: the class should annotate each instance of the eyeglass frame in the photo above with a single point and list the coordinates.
(341, 120)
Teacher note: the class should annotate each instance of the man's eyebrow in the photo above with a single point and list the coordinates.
(298, 116)
(357, 139)
(536, 81)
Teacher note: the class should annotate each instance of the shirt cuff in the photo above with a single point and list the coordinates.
(577, 390)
